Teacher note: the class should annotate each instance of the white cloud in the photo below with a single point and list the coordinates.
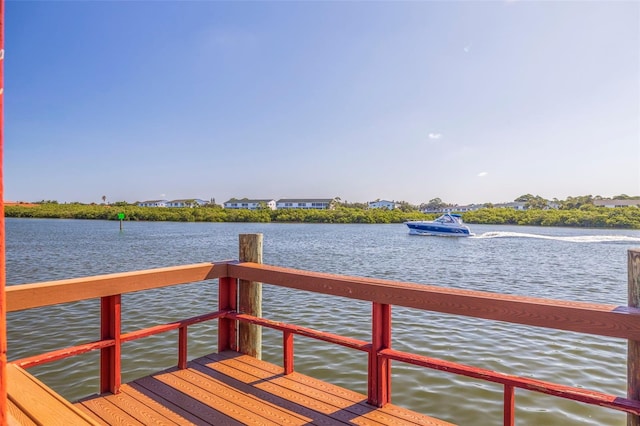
(163, 195)
(482, 174)
(467, 49)
(435, 135)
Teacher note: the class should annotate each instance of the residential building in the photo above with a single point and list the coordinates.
(189, 202)
(383, 204)
(469, 208)
(246, 203)
(454, 209)
(305, 203)
(552, 205)
(153, 203)
(612, 203)
(516, 205)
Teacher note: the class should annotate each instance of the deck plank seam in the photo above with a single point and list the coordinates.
(317, 417)
(183, 404)
(155, 406)
(259, 402)
(308, 385)
(346, 410)
(210, 399)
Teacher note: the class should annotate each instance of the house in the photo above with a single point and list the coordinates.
(189, 202)
(552, 205)
(153, 203)
(246, 203)
(516, 205)
(383, 204)
(453, 209)
(468, 208)
(612, 203)
(305, 203)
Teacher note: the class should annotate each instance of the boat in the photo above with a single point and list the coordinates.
(449, 224)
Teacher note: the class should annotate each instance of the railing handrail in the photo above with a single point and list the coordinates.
(591, 318)
(26, 296)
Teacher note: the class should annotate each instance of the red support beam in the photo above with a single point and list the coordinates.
(227, 301)
(110, 326)
(379, 392)
(3, 271)
(59, 354)
(182, 348)
(287, 349)
(157, 329)
(347, 342)
(568, 392)
(509, 405)
(68, 352)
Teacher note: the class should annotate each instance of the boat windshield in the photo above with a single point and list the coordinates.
(447, 218)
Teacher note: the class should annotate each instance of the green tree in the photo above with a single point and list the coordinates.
(535, 202)
(524, 198)
(576, 202)
(435, 204)
(404, 206)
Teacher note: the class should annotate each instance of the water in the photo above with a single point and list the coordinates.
(573, 264)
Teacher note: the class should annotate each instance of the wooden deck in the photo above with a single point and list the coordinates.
(234, 389)
(30, 402)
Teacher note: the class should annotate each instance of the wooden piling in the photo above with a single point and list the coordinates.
(633, 353)
(250, 297)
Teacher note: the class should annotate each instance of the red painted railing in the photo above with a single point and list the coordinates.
(599, 319)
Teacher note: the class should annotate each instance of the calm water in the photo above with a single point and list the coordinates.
(561, 263)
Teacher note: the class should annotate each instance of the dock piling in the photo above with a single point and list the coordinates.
(250, 297)
(633, 353)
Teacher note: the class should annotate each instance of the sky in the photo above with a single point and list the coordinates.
(469, 102)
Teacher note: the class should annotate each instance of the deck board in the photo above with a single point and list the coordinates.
(180, 403)
(170, 411)
(234, 389)
(17, 417)
(30, 401)
(108, 411)
(307, 407)
(293, 390)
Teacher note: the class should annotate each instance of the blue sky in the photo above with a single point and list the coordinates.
(466, 101)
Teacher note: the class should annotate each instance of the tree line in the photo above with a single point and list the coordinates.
(586, 215)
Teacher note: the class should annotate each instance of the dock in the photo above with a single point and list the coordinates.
(232, 385)
(234, 389)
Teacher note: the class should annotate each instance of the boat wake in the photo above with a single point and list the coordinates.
(574, 239)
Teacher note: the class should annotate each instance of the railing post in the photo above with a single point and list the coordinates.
(110, 357)
(379, 392)
(183, 347)
(633, 353)
(227, 301)
(250, 298)
(287, 351)
(509, 405)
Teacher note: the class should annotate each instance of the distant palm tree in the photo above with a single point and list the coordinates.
(104, 198)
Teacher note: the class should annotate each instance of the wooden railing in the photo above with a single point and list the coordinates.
(598, 319)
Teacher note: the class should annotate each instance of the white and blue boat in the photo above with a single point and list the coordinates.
(449, 225)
